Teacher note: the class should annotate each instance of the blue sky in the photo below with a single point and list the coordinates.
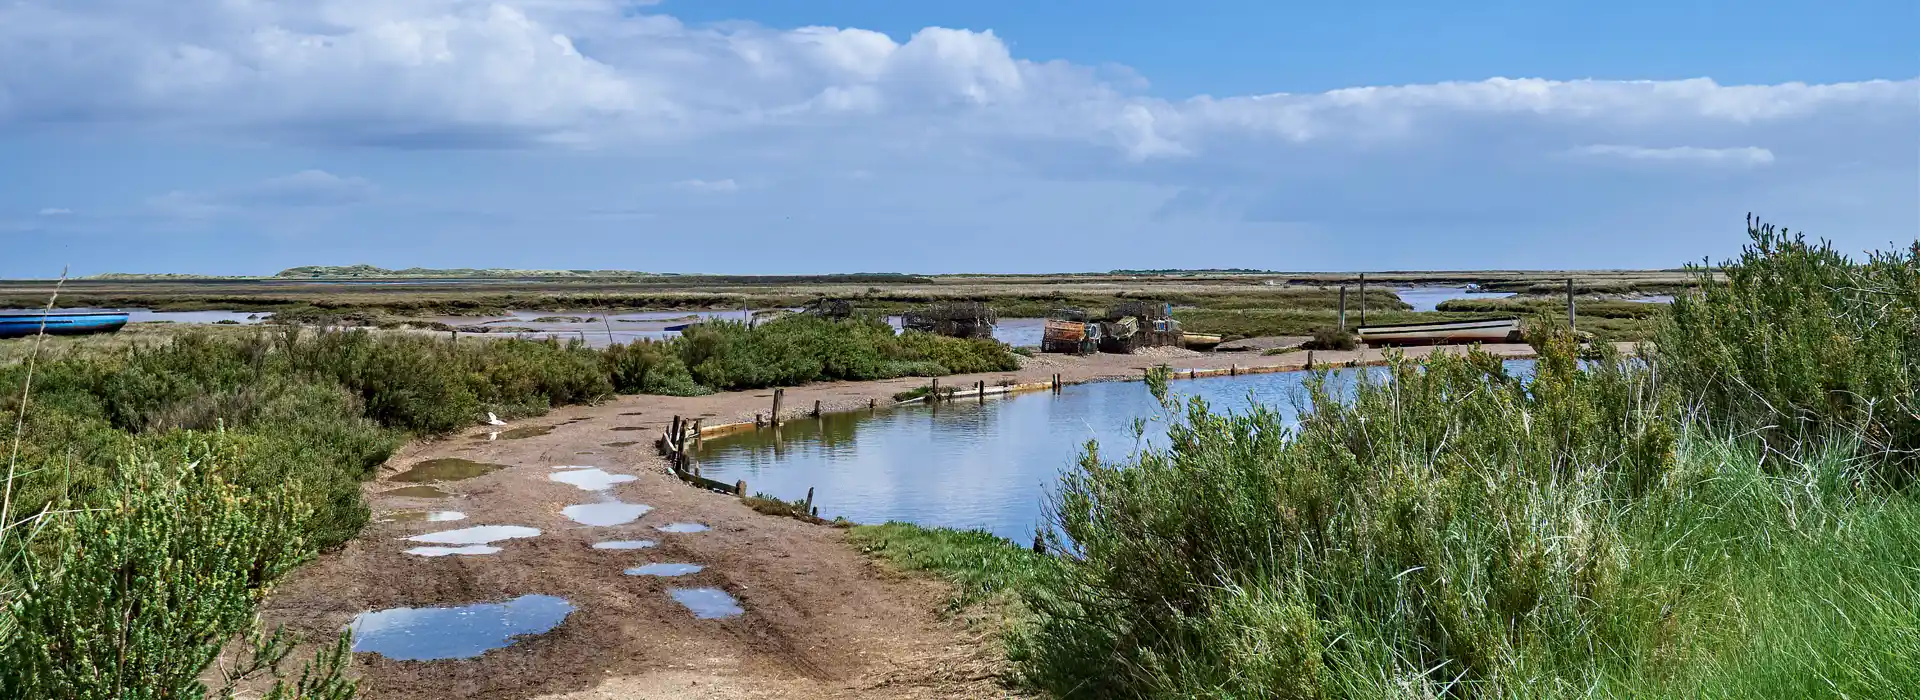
(760, 137)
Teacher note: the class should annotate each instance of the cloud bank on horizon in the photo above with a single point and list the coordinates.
(309, 131)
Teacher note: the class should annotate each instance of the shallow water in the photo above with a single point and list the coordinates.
(468, 550)
(426, 634)
(620, 444)
(605, 514)
(526, 432)
(146, 316)
(1017, 332)
(416, 492)
(437, 516)
(972, 464)
(626, 544)
(445, 469)
(682, 527)
(665, 569)
(707, 603)
(1427, 298)
(590, 479)
(482, 534)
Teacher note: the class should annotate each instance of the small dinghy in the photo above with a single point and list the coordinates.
(1499, 330)
(18, 324)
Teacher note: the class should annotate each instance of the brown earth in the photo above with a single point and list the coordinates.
(821, 621)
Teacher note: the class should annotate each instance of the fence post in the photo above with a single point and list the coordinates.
(1571, 325)
(816, 408)
(1363, 299)
(809, 498)
(778, 394)
(740, 488)
(1343, 308)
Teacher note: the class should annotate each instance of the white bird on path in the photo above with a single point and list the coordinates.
(494, 420)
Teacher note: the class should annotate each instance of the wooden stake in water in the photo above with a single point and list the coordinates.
(816, 408)
(778, 394)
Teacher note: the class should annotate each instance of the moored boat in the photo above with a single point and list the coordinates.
(1498, 330)
(18, 324)
(1199, 341)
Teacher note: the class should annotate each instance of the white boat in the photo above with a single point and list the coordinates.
(1497, 330)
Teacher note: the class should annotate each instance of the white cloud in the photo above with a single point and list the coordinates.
(1745, 156)
(55, 211)
(722, 185)
(304, 189)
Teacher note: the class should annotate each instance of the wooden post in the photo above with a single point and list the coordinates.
(1571, 325)
(1039, 546)
(1233, 370)
(740, 488)
(816, 408)
(809, 498)
(778, 394)
(673, 435)
(1363, 299)
(873, 404)
(1343, 308)
(1193, 373)
(980, 391)
(933, 394)
(1309, 359)
(698, 437)
(757, 422)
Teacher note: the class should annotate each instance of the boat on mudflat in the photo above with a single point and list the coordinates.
(1498, 330)
(15, 324)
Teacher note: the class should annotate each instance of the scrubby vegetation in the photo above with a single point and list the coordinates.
(1731, 515)
(167, 485)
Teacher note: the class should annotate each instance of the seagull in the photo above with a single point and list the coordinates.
(494, 420)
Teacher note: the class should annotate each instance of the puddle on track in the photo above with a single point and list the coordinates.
(428, 634)
(438, 516)
(527, 432)
(621, 444)
(469, 550)
(445, 469)
(605, 514)
(629, 427)
(416, 492)
(665, 569)
(626, 544)
(482, 534)
(591, 479)
(707, 603)
(682, 527)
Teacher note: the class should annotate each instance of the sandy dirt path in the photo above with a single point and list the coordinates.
(821, 620)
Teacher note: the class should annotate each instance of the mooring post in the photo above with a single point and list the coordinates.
(873, 404)
(1233, 370)
(816, 408)
(1343, 308)
(809, 498)
(980, 390)
(1309, 359)
(933, 392)
(1571, 325)
(740, 488)
(1363, 299)
(673, 434)
(697, 435)
(757, 422)
(778, 394)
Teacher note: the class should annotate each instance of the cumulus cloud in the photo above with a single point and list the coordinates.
(597, 74)
(696, 185)
(1746, 155)
(304, 189)
(55, 211)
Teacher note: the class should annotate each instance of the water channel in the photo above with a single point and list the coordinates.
(972, 464)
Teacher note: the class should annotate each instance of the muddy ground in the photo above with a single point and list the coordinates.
(821, 620)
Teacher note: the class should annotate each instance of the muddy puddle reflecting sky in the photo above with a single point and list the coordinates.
(969, 464)
(428, 634)
(707, 603)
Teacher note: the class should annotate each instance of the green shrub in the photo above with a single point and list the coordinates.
(1801, 343)
(1332, 339)
(648, 367)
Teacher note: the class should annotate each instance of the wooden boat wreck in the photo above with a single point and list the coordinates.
(1498, 330)
(16, 324)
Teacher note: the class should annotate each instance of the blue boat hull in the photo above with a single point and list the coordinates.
(18, 325)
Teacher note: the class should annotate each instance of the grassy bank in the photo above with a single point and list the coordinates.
(1732, 517)
(211, 462)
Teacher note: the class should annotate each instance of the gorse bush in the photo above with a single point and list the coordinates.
(1444, 526)
(1801, 344)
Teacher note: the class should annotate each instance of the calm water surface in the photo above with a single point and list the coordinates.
(969, 464)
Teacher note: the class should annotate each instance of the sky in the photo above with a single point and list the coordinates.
(738, 136)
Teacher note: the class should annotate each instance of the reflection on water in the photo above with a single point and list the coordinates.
(707, 603)
(445, 469)
(426, 634)
(665, 569)
(969, 464)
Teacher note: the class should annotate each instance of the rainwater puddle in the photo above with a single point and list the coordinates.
(446, 469)
(629, 427)
(437, 516)
(626, 544)
(585, 452)
(591, 479)
(527, 432)
(620, 444)
(605, 514)
(469, 550)
(483, 534)
(682, 527)
(665, 569)
(416, 492)
(427, 634)
(707, 603)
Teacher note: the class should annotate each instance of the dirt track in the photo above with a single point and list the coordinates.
(821, 621)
